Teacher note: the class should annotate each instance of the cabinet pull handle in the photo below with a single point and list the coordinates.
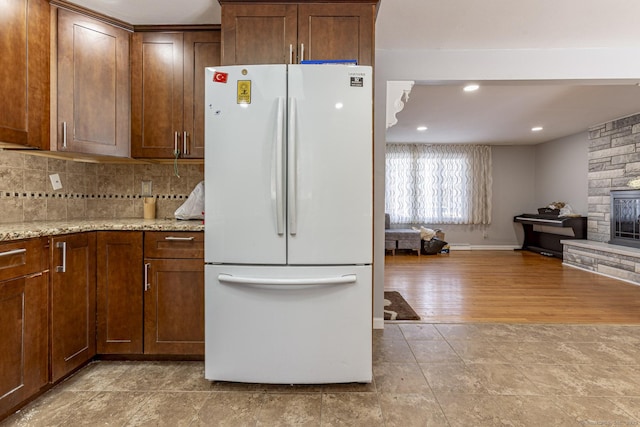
(64, 135)
(301, 52)
(175, 143)
(13, 252)
(185, 146)
(62, 268)
(179, 239)
(290, 54)
(147, 285)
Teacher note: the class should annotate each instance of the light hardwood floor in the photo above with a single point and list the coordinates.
(508, 286)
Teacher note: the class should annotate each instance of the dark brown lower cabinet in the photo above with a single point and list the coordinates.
(119, 292)
(73, 302)
(174, 307)
(150, 305)
(23, 339)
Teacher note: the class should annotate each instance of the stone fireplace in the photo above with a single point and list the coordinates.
(612, 247)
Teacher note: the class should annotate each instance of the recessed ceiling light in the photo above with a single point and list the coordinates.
(536, 129)
(471, 88)
(421, 128)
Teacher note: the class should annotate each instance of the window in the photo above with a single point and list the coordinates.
(438, 184)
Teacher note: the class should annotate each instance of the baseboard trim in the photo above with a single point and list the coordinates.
(378, 323)
(469, 247)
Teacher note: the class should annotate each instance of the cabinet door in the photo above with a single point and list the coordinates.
(24, 72)
(93, 86)
(337, 31)
(201, 49)
(156, 94)
(119, 292)
(73, 302)
(259, 34)
(24, 352)
(174, 307)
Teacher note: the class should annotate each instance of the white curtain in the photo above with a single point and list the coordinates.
(438, 184)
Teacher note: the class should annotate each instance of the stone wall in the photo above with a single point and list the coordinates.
(614, 159)
(89, 190)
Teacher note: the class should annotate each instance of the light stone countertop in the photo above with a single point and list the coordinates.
(26, 230)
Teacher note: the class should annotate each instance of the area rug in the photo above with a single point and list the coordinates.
(396, 308)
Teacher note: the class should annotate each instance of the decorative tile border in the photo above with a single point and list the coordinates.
(34, 195)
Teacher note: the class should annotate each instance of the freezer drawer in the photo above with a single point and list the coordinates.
(288, 325)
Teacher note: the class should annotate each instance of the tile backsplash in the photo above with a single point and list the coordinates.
(89, 190)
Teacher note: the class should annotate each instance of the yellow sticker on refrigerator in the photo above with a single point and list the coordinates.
(244, 91)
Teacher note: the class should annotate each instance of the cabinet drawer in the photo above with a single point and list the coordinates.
(179, 244)
(22, 257)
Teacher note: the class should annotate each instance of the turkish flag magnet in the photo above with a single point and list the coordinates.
(220, 77)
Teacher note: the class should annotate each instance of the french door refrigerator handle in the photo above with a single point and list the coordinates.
(334, 280)
(279, 169)
(292, 194)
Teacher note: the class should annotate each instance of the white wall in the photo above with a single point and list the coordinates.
(562, 169)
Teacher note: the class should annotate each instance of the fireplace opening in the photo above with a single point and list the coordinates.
(625, 218)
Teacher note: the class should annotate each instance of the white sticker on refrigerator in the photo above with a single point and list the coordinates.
(357, 81)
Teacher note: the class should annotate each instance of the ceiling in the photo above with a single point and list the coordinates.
(503, 113)
(499, 112)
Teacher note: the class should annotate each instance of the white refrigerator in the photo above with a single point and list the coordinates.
(288, 223)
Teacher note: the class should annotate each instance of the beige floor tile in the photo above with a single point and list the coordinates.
(623, 334)
(188, 376)
(351, 409)
(610, 353)
(452, 378)
(466, 410)
(350, 387)
(146, 376)
(462, 331)
(599, 380)
(408, 410)
(552, 353)
(169, 409)
(98, 375)
(107, 408)
(54, 408)
(420, 331)
(503, 379)
(474, 351)
(392, 351)
(434, 352)
(553, 380)
(468, 375)
(233, 409)
(291, 410)
(631, 405)
(389, 333)
(400, 378)
(595, 411)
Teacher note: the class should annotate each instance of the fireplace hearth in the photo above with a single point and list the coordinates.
(625, 218)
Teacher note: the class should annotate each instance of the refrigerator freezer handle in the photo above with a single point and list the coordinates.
(293, 168)
(279, 169)
(335, 280)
